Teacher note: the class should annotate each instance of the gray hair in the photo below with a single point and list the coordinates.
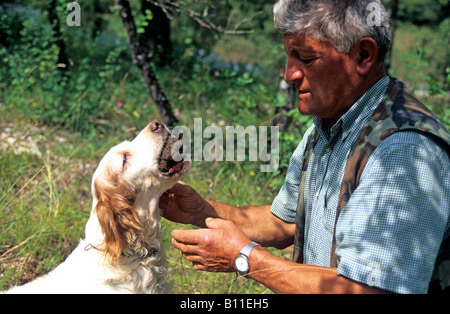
(341, 22)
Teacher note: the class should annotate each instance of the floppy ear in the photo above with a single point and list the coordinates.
(118, 220)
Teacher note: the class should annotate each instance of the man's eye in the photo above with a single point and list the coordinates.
(308, 61)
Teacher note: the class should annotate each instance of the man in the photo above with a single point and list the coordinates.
(383, 230)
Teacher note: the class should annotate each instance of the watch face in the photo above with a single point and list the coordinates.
(242, 264)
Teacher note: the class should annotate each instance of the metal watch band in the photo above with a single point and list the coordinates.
(248, 248)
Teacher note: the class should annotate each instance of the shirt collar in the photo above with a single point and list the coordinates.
(357, 115)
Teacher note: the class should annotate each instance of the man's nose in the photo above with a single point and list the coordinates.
(293, 72)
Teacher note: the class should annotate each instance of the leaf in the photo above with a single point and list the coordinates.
(148, 15)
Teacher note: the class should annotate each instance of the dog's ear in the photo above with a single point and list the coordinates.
(118, 219)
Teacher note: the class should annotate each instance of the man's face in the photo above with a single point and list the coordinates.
(324, 78)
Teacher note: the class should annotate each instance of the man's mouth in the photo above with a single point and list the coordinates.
(302, 94)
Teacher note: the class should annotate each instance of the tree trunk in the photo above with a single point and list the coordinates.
(394, 14)
(280, 119)
(99, 22)
(140, 57)
(157, 33)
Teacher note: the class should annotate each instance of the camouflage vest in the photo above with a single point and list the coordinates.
(399, 110)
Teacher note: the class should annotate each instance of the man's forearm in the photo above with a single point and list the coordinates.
(257, 222)
(286, 277)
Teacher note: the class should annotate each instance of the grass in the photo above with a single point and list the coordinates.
(44, 201)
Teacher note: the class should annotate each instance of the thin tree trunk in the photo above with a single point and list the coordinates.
(140, 58)
(280, 119)
(157, 33)
(99, 22)
(394, 14)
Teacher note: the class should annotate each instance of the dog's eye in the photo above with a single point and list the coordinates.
(125, 158)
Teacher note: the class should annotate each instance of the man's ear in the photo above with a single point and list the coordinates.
(366, 55)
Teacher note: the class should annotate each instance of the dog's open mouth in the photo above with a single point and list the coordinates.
(167, 165)
(170, 167)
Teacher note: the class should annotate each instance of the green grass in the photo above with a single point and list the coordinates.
(45, 199)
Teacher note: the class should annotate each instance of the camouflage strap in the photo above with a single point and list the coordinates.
(300, 217)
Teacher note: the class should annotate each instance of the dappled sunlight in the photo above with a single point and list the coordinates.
(386, 229)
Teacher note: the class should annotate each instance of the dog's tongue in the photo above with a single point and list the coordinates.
(176, 168)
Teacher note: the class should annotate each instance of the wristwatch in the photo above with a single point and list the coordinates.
(241, 262)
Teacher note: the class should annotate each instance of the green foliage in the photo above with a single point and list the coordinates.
(419, 12)
(142, 21)
(39, 88)
(10, 27)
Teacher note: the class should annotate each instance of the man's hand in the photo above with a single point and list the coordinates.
(183, 204)
(213, 249)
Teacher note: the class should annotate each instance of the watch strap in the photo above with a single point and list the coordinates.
(248, 248)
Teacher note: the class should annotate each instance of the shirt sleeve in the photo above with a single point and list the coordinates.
(390, 232)
(284, 205)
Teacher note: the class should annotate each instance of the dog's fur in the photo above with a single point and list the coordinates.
(121, 252)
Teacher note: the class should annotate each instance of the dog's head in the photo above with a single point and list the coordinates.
(127, 185)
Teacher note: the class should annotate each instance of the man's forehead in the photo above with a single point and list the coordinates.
(305, 43)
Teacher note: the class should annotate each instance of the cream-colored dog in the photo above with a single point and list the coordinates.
(121, 252)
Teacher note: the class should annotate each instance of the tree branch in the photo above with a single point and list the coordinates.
(170, 8)
(140, 58)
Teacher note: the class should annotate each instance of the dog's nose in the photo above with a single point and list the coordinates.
(156, 126)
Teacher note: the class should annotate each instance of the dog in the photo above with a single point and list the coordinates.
(121, 252)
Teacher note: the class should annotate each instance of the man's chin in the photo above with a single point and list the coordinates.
(305, 109)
